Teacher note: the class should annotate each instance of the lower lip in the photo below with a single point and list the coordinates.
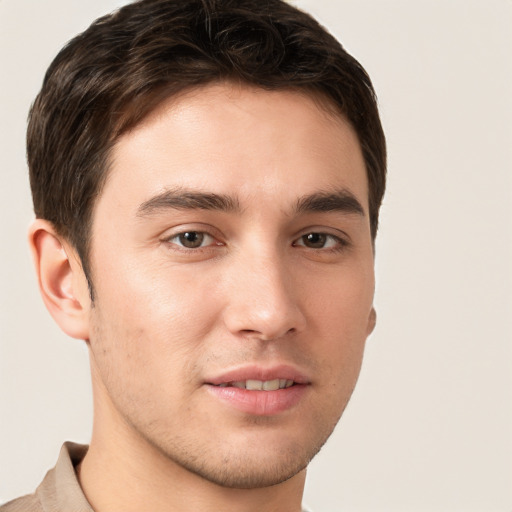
(260, 403)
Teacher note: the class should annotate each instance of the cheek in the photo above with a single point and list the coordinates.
(140, 358)
(158, 299)
(342, 301)
(340, 312)
(149, 325)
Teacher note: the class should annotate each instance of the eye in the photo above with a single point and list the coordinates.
(320, 241)
(192, 239)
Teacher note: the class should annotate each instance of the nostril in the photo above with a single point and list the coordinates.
(253, 333)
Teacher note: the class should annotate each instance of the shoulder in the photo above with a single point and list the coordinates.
(59, 490)
(29, 503)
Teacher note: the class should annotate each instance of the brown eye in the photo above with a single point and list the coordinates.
(191, 239)
(314, 240)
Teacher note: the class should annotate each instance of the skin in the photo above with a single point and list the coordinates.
(167, 319)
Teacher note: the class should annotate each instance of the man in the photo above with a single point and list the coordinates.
(206, 178)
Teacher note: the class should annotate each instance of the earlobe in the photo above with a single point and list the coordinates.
(372, 320)
(62, 283)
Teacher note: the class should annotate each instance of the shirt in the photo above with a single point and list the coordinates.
(60, 490)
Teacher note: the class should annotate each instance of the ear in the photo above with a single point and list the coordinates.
(372, 320)
(61, 279)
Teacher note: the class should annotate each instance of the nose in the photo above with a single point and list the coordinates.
(264, 299)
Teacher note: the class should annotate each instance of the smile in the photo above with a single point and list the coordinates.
(259, 385)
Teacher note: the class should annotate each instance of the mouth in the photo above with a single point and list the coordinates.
(258, 385)
(260, 391)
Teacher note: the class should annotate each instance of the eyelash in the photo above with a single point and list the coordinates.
(202, 234)
(337, 243)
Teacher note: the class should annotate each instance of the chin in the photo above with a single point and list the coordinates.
(251, 462)
(240, 471)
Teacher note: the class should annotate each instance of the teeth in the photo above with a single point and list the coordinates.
(271, 385)
(254, 385)
(259, 385)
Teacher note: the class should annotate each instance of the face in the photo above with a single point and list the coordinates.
(232, 265)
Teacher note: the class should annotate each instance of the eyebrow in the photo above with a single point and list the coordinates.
(181, 199)
(337, 201)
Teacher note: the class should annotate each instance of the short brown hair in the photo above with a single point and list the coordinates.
(107, 79)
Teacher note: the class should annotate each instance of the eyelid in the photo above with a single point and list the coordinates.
(340, 242)
(340, 237)
(208, 231)
(179, 244)
(333, 232)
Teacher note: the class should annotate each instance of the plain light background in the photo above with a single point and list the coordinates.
(429, 427)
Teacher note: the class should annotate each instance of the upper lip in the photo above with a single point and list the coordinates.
(263, 373)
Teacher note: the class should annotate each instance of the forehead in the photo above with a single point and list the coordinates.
(225, 137)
